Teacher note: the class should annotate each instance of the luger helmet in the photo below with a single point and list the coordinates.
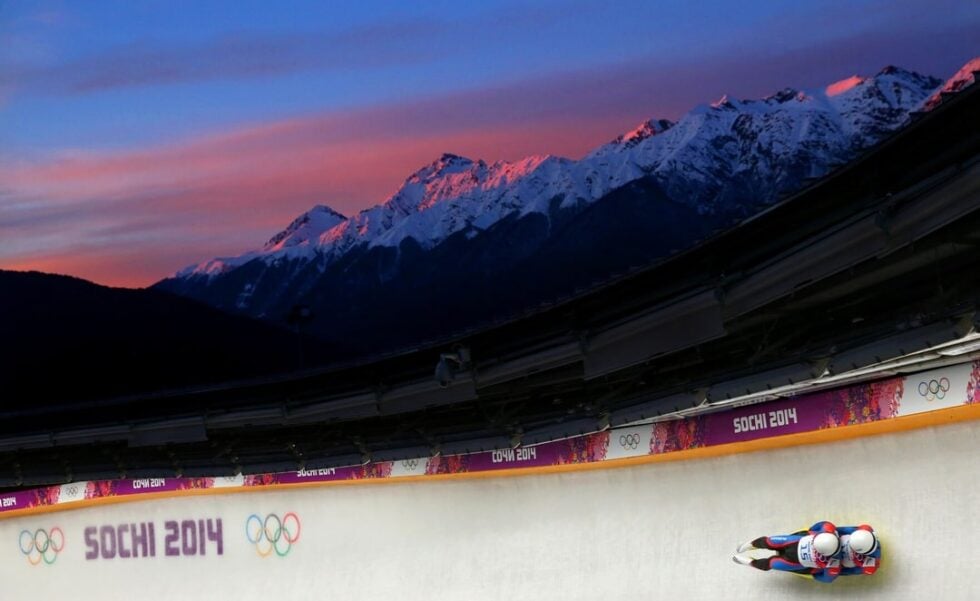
(863, 542)
(826, 544)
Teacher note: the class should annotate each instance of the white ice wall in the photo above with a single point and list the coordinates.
(660, 531)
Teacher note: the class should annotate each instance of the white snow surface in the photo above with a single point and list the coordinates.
(704, 149)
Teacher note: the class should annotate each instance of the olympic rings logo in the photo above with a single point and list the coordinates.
(41, 545)
(629, 441)
(934, 389)
(410, 464)
(272, 533)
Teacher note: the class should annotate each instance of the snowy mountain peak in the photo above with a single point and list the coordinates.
(733, 156)
(447, 163)
(893, 73)
(783, 96)
(725, 102)
(729, 103)
(650, 127)
(305, 229)
(839, 87)
(897, 74)
(964, 78)
(892, 70)
(424, 187)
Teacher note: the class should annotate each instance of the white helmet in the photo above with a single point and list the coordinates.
(826, 544)
(863, 542)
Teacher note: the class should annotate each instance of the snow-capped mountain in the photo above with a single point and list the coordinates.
(963, 78)
(719, 163)
(297, 240)
(778, 140)
(305, 229)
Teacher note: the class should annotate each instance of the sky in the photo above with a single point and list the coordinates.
(137, 138)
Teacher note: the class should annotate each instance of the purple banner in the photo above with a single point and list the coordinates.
(861, 403)
(150, 485)
(319, 475)
(765, 420)
(16, 500)
(548, 453)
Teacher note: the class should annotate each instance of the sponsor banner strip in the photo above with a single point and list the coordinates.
(864, 403)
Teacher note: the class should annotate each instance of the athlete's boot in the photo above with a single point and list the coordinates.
(746, 546)
(742, 560)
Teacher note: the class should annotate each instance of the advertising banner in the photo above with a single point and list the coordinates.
(862, 403)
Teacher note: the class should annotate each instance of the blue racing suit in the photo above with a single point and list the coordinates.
(795, 553)
(855, 564)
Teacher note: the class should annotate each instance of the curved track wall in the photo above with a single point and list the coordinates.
(656, 530)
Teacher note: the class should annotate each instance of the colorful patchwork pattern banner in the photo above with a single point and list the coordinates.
(868, 402)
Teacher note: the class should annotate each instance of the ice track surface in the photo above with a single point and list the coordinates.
(654, 531)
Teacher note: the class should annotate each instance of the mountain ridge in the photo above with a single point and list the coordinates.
(493, 190)
(463, 240)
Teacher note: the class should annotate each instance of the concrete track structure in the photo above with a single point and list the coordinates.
(654, 530)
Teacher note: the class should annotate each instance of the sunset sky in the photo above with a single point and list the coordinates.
(137, 138)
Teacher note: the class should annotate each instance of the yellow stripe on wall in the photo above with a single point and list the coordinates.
(889, 426)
